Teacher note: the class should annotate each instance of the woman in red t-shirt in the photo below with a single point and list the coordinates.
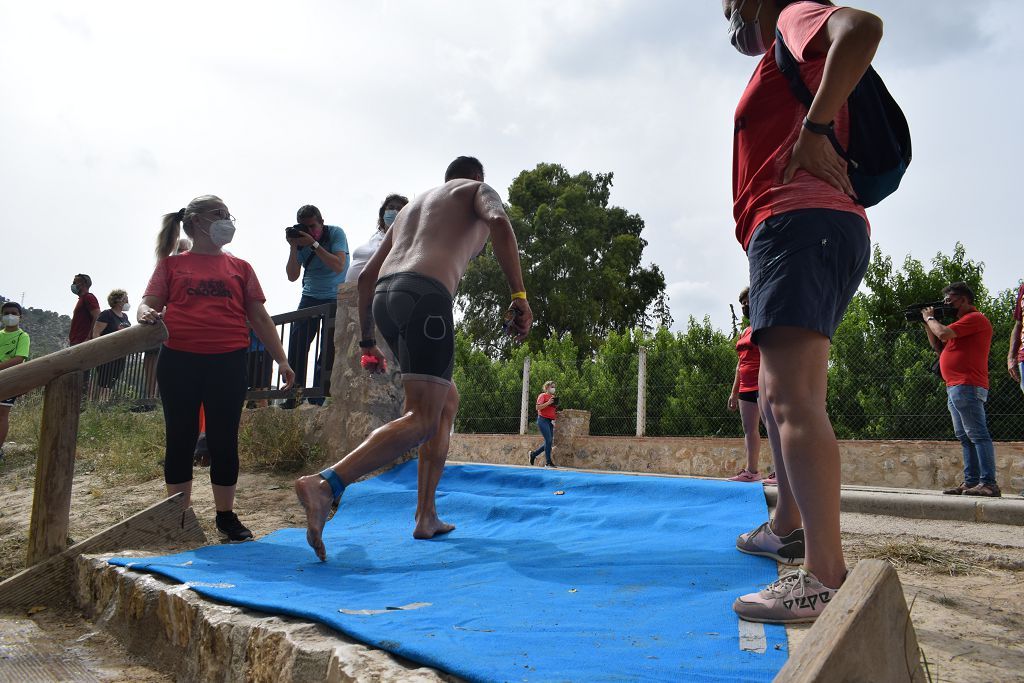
(807, 245)
(547, 412)
(205, 296)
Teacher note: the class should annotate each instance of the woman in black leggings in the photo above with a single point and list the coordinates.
(206, 297)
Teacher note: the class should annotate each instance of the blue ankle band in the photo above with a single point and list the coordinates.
(337, 488)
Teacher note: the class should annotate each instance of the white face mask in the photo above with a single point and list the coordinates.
(746, 36)
(389, 217)
(126, 307)
(11, 320)
(222, 231)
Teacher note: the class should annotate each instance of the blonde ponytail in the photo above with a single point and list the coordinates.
(173, 223)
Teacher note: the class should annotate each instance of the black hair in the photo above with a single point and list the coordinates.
(387, 200)
(465, 167)
(308, 211)
(961, 289)
(85, 279)
(11, 304)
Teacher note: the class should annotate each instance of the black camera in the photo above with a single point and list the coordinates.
(297, 230)
(554, 400)
(942, 311)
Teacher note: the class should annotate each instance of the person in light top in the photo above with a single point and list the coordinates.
(386, 215)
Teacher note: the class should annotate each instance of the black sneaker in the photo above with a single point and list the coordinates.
(532, 457)
(230, 529)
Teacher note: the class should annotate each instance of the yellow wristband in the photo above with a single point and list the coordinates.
(518, 295)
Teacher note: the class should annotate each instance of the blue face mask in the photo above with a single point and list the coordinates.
(75, 290)
(389, 217)
(746, 36)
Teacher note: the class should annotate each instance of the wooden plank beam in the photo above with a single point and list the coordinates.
(55, 468)
(50, 582)
(27, 376)
(864, 635)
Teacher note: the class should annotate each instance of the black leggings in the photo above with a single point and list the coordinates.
(218, 382)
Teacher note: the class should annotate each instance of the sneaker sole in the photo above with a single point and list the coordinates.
(224, 538)
(766, 620)
(778, 558)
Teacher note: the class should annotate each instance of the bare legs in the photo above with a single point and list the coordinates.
(749, 416)
(433, 454)
(424, 403)
(794, 363)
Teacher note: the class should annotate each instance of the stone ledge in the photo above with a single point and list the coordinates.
(196, 639)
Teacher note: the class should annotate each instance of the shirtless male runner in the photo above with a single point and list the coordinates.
(406, 290)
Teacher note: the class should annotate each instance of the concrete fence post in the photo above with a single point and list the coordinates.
(524, 406)
(641, 393)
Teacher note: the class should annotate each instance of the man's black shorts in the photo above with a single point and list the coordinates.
(414, 314)
(805, 267)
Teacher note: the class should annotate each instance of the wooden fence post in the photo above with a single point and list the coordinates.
(524, 406)
(55, 467)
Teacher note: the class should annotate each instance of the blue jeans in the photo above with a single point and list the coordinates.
(967, 407)
(1020, 372)
(547, 430)
(302, 335)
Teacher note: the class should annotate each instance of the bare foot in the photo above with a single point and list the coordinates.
(431, 526)
(314, 494)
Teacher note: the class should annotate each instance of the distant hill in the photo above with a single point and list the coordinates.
(48, 330)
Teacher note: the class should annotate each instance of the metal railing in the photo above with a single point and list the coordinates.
(306, 334)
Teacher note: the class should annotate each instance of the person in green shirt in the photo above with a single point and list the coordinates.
(14, 345)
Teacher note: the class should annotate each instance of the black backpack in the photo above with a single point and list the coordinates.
(879, 151)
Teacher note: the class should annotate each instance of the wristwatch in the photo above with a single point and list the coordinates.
(314, 246)
(819, 128)
(931, 317)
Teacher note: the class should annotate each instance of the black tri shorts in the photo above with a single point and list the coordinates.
(805, 267)
(414, 314)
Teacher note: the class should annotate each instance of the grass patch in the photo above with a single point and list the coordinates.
(272, 440)
(126, 447)
(901, 554)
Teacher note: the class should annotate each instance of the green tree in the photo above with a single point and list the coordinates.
(581, 265)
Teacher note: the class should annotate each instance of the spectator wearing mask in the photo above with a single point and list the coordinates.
(111, 320)
(963, 349)
(320, 254)
(87, 310)
(386, 215)
(14, 350)
(205, 296)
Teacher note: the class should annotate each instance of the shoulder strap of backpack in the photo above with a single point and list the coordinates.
(790, 69)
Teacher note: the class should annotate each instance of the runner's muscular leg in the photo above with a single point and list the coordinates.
(424, 401)
(433, 454)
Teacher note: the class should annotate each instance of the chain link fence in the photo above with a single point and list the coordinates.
(882, 387)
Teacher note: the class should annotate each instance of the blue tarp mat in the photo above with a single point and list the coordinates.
(551, 575)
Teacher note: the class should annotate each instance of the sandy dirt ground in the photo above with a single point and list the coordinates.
(970, 625)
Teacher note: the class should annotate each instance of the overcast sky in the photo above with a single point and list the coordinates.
(113, 113)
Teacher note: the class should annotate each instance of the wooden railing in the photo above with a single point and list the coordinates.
(61, 374)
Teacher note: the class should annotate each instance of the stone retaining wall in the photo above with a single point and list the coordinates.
(896, 464)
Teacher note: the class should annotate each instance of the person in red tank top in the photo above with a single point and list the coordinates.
(808, 247)
(205, 296)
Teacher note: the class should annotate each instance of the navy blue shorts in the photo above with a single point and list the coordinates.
(805, 266)
(414, 314)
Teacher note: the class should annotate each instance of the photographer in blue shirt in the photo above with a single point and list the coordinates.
(320, 254)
